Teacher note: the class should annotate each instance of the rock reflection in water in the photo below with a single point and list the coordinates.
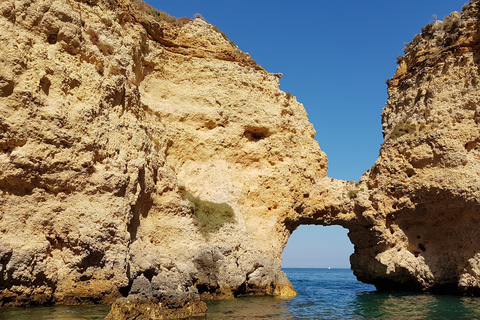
(239, 308)
(319, 302)
(56, 313)
(416, 306)
(248, 308)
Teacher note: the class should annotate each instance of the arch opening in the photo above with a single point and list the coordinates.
(317, 246)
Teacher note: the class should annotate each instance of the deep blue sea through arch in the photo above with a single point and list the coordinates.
(322, 294)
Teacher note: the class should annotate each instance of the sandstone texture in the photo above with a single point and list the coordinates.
(141, 159)
(148, 163)
(424, 201)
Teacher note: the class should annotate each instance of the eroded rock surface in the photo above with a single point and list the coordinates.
(425, 186)
(141, 159)
(155, 164)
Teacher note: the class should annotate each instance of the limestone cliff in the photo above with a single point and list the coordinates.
(141, 158)
(423, 208)
(147, 160)
(413, 217)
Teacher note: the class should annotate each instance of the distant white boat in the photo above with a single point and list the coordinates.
(329, 268)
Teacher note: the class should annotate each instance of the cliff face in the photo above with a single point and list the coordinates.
(155, 163)
(143, 159)
(424, 187)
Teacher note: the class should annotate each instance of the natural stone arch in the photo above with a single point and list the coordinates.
(96, 162)
(317, 246)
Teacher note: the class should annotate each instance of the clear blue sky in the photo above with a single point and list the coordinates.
(335, 57)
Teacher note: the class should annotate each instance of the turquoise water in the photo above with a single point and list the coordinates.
(336, 294)
(322, 294)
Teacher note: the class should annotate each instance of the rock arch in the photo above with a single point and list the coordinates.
(110, 152)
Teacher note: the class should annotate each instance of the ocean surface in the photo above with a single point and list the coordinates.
(322, 294)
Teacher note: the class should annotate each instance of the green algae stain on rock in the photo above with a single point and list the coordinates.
(210, 216)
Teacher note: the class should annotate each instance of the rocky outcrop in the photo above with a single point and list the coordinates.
(413, 217)
(424, 187)
(141, 159)
(146, 161)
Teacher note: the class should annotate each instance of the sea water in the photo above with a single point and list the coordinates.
(322, 294)
(55, 313)
(336, 294)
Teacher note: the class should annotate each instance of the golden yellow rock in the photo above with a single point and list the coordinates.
(142, 158)
(152, 164)
(425, 185)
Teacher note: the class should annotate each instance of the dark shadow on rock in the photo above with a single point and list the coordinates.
(141, 208)
(443, 230)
